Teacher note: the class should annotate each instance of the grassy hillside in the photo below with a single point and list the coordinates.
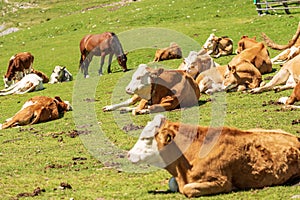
(94, 163)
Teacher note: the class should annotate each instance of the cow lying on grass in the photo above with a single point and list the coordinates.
(207, 161)
(245, 43)
(286, 78)
(29, 83)
(60, 74)
(197, 62)
(159, 90)
(168, 53)
(258, 55)
(218, 46)
(36, 110)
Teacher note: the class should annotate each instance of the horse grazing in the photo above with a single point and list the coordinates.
(101, 45)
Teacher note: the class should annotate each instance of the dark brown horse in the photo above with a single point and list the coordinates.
(101, 45)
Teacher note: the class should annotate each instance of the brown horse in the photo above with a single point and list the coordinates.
(101, 45)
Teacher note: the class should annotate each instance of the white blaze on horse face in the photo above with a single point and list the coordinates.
(140, 83)
(146, 150)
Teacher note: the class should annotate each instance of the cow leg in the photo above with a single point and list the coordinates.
(133, 100)
(167, 104)
(206, 188)
(281, 77)
(109, 63)
(141, 108)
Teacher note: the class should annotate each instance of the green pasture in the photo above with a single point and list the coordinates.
(87, 147)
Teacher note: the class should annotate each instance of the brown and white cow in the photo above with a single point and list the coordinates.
(258, 55)
(218, 46)
(38, 109)
(159, 90)
(197, 62)
(168, 53)
(286, 78)
(245, 43)
(19, 65)
(209, 160)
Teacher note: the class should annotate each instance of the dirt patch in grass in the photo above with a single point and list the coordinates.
(131, 127)
(37, 191)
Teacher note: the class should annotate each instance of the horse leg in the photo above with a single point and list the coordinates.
(109, 63)
(101, 63)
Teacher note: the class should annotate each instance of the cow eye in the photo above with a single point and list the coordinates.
(138, 78)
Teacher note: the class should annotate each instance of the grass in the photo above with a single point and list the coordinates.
(94, 164)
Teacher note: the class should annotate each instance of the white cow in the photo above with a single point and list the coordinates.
(29, 83)
(197, 62)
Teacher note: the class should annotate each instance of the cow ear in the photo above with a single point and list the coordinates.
(157, 73)
(233, 69)
(58, 98)
(244, 36)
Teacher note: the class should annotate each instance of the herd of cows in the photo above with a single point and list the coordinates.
(202, 160)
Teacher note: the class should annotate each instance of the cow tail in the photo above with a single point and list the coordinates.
(275, 46)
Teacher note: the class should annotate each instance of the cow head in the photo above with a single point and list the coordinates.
(146, 148)
(231, 78)
(140, 83)
(208, 45)
(122, 59)
(7, 82)
(245, 42)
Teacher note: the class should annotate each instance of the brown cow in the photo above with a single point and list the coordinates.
(36, 110)
(258, 55)
(245, 43)
(241, 77)
(42, 75)
(19, 65)
(218, 46)
(171, 52)
(211, 160)
(159, 90)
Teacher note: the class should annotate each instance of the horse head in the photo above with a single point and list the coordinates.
(122, 59)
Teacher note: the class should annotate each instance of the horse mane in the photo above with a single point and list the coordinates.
(275, 46)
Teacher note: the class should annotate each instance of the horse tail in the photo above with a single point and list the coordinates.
(275, 46)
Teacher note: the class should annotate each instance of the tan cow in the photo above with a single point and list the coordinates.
(286, 78)
(210, 81)
(245, 43)
(159, 90)
(291, 50)
(241, 77)
(208, 160)
(36, 110)
(197, 62)
(218, 46)
(19, 65)
(258, 55)
(171, 52)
